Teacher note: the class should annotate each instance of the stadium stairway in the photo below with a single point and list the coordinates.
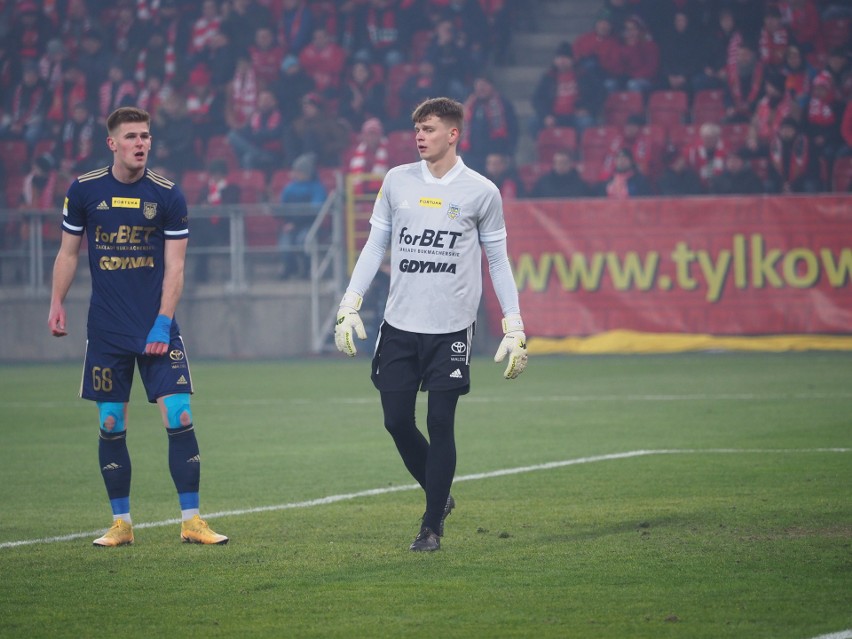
(534, 42)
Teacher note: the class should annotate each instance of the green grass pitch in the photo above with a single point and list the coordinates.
(694, 496)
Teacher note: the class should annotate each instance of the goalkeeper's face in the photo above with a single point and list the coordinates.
(130, 145)
(434, 137)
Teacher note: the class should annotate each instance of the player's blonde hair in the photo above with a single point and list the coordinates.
(123, 115)
(446, 109)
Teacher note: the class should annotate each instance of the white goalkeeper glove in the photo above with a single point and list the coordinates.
(348, 321)
(514, 345)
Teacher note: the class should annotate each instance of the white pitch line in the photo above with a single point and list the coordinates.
(843, 634)
(331, 499)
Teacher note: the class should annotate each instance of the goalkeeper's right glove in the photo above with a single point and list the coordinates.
(348, 321)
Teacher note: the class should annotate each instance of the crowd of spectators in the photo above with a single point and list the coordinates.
(658, 97)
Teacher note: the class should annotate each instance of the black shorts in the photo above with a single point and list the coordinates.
(410, 361)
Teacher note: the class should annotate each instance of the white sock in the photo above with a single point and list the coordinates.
(188, 514)
(124, 516)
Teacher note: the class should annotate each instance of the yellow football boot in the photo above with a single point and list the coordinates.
(196, 531)
(119, 534)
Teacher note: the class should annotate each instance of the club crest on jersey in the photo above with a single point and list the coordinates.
(453, 211)
(150, 210)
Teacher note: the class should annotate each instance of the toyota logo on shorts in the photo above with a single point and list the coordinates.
(176, 355)
(459, 347)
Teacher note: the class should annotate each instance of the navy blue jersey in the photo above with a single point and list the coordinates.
(127, 226)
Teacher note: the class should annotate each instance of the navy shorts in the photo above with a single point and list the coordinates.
(110, 362)
(407, 361)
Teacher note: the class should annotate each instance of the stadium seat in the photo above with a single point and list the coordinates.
(657, 140)
(401, 147)
(277, 181)
(397, 75)
(620, 105)
(841, 175)
(328, 177)
(13, 191)
(682, 135)
(14, 157)
(219, 148)
(262, 230)
(836, 33)
(252, 183)
(595, 144)
(552, 139)
(193, 183)
(667, 107)
(708, 106)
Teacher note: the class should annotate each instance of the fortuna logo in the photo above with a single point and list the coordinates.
(112, 466)
(194, 460)
(182, 380)
(456, 374)
(103, 206)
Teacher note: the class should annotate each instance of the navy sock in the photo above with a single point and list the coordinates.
(184, 460)
(115, 468)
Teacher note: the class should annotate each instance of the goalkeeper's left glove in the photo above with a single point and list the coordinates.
(514, 345)
(348, 321)
(160, 333)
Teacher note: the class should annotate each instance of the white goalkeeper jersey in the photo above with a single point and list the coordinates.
(436, 227)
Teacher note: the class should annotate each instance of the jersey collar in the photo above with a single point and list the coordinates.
(451, 175)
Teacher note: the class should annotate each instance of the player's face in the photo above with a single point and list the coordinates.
(130, 145)
(434, 138)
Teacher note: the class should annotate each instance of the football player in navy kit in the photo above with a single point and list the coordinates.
(136, 226)
(437, 215)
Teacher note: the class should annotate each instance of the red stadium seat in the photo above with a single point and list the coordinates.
(667, 107)
(530, 173)
(14, 157)
(734, 135)
(193, 183)
(277, 181)
(554, 139)
(595, 144)
(14, 191)
(620, 105)
(682, 135)
(219, 148)
(708, 106)
(262, 230)
(841, 175)
(252, 185)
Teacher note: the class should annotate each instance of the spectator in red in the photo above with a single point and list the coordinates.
(802, 19)
(491, 125)
(775, 105)
(40, 185)
(640, 56)
(127, 35)
(116, 91)
(499, 169)
(370, 155)
(213, 230)
(381, 29)
(70, 91)
(631, 138)
(52, 64)
(29, 32)
(77, 150)
(266, 56)
(792, 169)
(259, 144)
(158, 58)
(598, 51)
(707, 156)
(241, 94)
(362, 96)
(152, 94)
(774, 39)
(205, 106)
(24, 118)
(295, 26)
(556, 99)
(324, 60)
(822, 125)
(76, 20)
(840, 70)
(627, 181)
(745, 83)
(204, 28)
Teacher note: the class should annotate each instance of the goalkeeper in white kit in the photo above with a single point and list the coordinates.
(437, 215)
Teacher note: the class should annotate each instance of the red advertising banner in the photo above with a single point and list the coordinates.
(718, 266)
